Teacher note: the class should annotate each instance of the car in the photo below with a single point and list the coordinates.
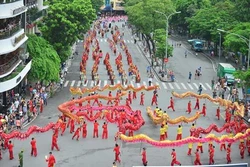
(230, 79)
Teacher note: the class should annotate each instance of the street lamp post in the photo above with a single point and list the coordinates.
(247, 42)
(167, 18)
(220, 47)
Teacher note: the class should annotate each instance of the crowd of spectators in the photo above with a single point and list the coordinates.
(23, 108)
(6, 25)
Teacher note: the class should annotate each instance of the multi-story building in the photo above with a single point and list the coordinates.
(14, 60)
(36, 11)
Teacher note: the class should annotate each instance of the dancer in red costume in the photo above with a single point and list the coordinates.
(51, 160)
(248, 145)
(72, 125)
(117, 153)
(171, 104)
(54, 142)
(200, 146)
(242, 150)
(211, 155)
(77, 134)
(192, 130)
(144, 157)
(197, 104)
(174, 159)
(229, 154)
(142, 99)
(197, 160)
(95, 132)
(228, 116)
(84, 130)
(134, 95)
(104, 130)
(204, 110)
(10, 148)
(218, 113)
(110, 95)
(33, 147)
(130, 97)
(154, 99)
(127, 102)
(130, 133)
(63, 127)
(189, 107)
(162, 133)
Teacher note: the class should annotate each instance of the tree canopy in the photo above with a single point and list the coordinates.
(97, 4)
(45, 60)
(66, 21)
(236, 43)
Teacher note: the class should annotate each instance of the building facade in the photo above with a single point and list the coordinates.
(14, 60)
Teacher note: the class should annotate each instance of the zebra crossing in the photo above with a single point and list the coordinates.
(162, 85)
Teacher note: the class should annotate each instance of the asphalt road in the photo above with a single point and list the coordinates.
(91, 152)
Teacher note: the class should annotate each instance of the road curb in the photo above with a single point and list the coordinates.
(159, 77)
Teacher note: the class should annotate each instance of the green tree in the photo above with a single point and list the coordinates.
(206, 21)
(97, 4)
(242, 10)
(160, 42)
(188, 9)
(244, 76)
(65, 23)
(45, 60)
(143, 15)
(236, 43)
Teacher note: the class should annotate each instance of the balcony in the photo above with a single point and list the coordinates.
(34, 16)
(7, 67)
(6, 33)
(15, 77)
(12, 43)
(11, 9)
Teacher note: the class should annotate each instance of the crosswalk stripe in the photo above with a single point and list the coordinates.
(178, 87)
(164, 86)
(72, 83)
(105, 40)
(203, 87)
(101, 40)
(118, 81)
(183, 85)
(66, 83)
(157, 84)
(190, 86)
(145, 84)
(131, 83)
(92, 83)
(105, 82)
(128, 41)
(138, 85)
(78, 83)
(86, 83)
(171, 86)
(197, 87)
(99, 84)
(208, 86)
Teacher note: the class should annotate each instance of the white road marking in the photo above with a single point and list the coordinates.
(138, 85)
(99, 84)
(86, 83)
(171, 86)
(101, 40)
(131, 83)
(203, 87)
(157, 84)
(197, 87)
(78, 83)
(208, 86)
(66, 83)
(176, 84)
(164, 86)
(72, 83)
(183, 85)
(105, 83)
(118, 81)
(128, 41)
(92, 84)
(190, 86)
(105, 40)
(145, 83)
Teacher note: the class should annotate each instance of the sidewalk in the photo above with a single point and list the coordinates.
(157, 65)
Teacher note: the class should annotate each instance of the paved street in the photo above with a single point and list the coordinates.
(91, 152)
